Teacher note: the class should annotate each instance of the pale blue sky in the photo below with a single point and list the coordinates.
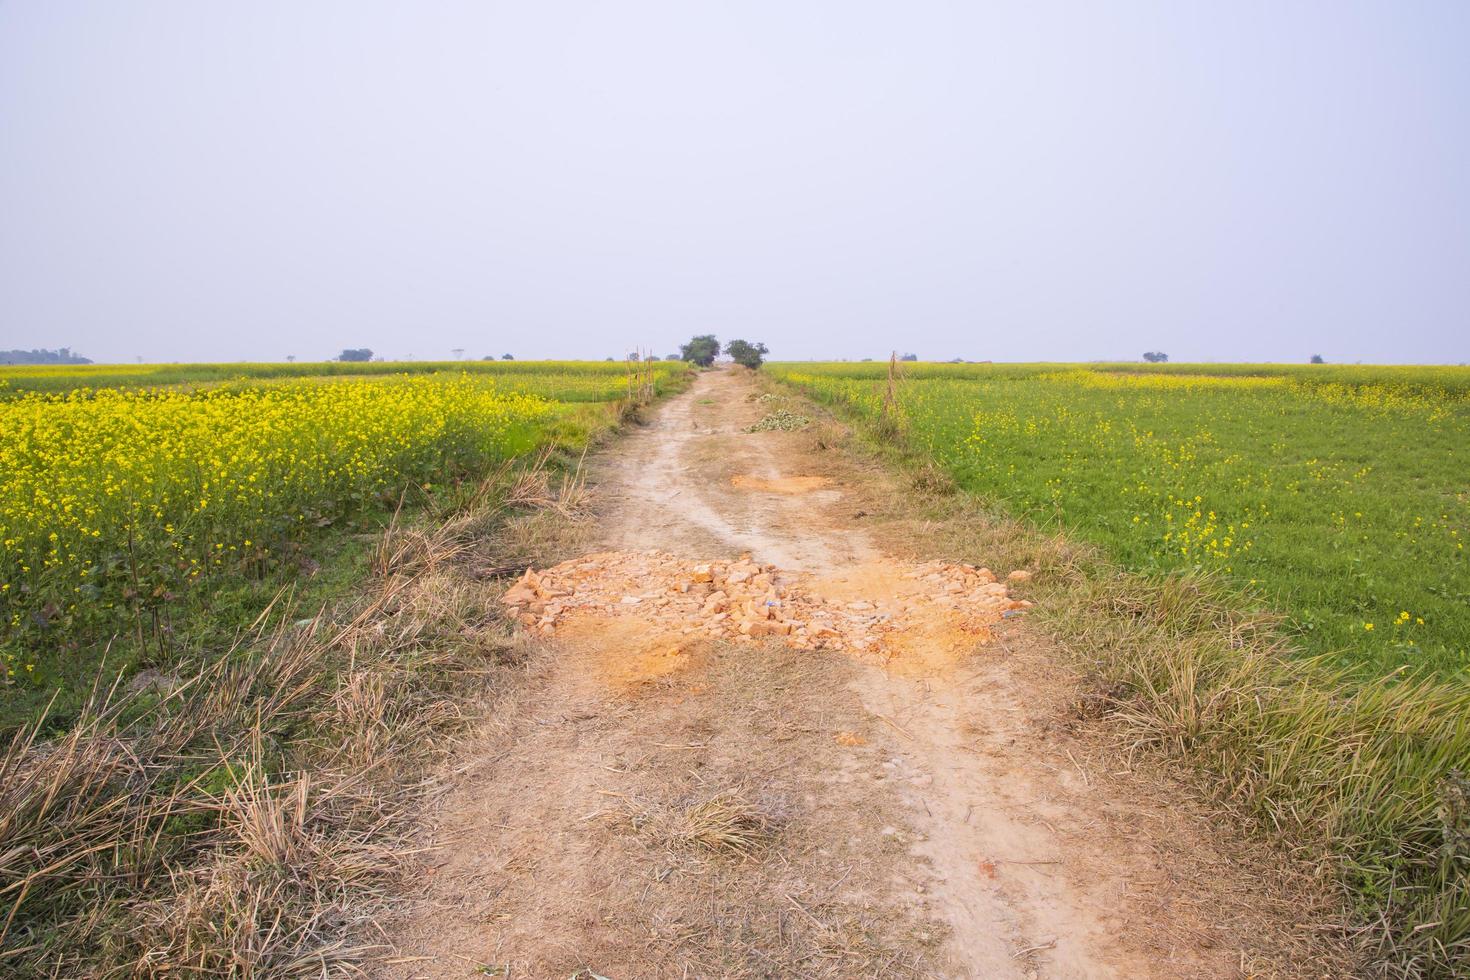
(1069, 181)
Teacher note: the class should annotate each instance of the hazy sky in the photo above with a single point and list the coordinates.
(1231, 181)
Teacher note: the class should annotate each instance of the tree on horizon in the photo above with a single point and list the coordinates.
(748, 354)
(701, 350)
(62, 355)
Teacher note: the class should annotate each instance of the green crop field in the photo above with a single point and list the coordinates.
(132, 498)
(1339, 496)
(1276, 591)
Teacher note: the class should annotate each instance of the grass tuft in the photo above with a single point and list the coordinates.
(724, 823)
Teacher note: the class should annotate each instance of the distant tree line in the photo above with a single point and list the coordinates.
(703, 350)
(62, 355)
(1156, 357)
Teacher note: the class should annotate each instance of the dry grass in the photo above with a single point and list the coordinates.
(1358, 773)
(534, 487)
(827, 435)
(514, 491)
(723, 823)
(932, 479)
(226, 829)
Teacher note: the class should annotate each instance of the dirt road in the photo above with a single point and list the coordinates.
(716, 805)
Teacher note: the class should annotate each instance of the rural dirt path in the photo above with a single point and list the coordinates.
(650, 800)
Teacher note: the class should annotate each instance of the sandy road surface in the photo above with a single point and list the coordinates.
(750, 809)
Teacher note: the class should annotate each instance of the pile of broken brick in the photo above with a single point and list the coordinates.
(745, 600)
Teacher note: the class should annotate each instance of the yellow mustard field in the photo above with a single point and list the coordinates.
(116, 502)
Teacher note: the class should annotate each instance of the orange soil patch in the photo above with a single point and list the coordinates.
(625, 652)
(937, 612)
(644, 608)
(780, 484)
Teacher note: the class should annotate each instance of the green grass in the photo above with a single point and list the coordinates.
(1335, 495)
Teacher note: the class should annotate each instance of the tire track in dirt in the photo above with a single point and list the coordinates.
(671, 486)
(908, 815)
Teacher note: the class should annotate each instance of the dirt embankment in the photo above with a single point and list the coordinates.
(749, 743)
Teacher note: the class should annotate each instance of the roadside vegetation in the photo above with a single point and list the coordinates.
(1262, 566)
(231, 816)
(237, 621)
(136, 523)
